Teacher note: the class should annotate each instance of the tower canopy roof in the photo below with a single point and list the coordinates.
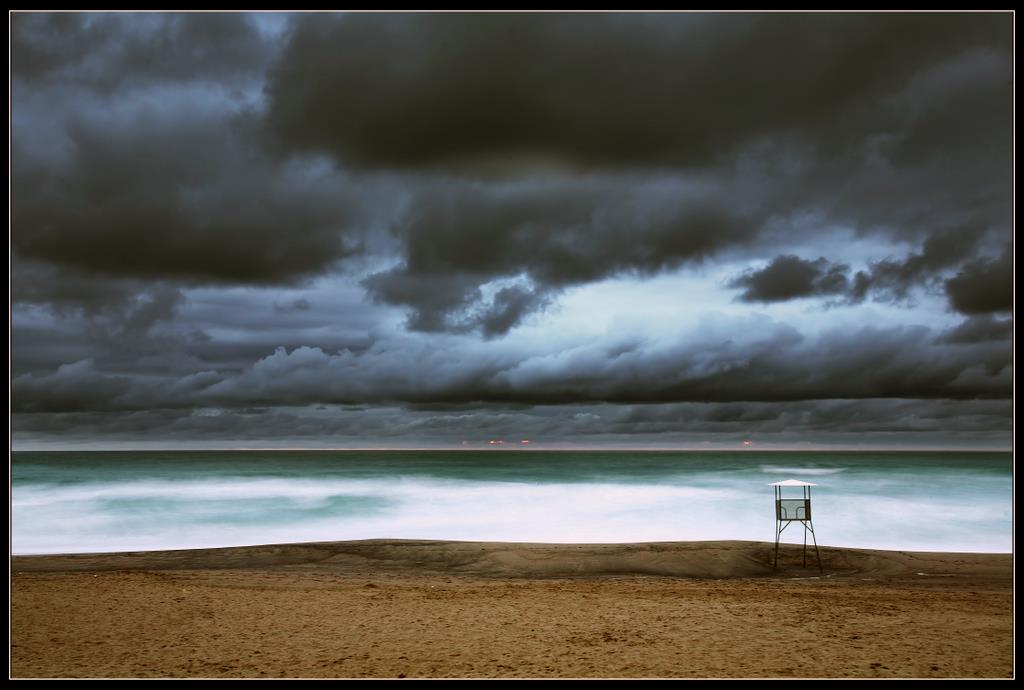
(792, 482)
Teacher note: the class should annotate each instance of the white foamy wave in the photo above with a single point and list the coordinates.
(948, 512)
(234, 511)
(241, 488)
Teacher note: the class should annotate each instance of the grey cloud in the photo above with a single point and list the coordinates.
(115, 322)
(228, 329)
(113, 51)
(437, 299)
(891, 279)
(157, 303)
(68, 290)
(979, 329)
(853, 136)
(980, 286)
(72, 387)
(135, 157)
(778, 364)
(171, 195)
(983, 285)
(553, 233)
(510, 305)
(593, 89)
(214, 206)
(790, 277)
(43, 347)
(298, 304)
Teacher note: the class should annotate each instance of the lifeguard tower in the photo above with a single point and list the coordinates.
(790, 510)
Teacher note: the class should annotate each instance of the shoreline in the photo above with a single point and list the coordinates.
(431, 609)
(693, 559)
(382, 541)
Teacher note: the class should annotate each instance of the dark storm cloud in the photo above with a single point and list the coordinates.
(510, 305)
(789, 277)
(44, 347)
(65, 315)
(177, 195)
(71, 388)
(983, 285)
(980, 329)
(853, 120)
(134, 306)
(593, 89)
(547, 234)
(112, 51)
(892, 279)
(67, 290)
(136, 154)
(191, 194)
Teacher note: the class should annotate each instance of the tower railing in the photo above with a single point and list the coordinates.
(790, 510)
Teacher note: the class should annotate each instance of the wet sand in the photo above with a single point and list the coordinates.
(392, 609)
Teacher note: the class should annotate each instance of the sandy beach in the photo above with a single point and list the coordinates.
(413, 609)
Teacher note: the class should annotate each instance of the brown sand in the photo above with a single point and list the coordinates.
(453, 609)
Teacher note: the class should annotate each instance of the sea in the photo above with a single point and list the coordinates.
(89, 502)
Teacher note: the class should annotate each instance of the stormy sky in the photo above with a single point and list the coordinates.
(438, 230)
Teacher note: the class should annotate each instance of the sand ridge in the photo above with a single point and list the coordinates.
(389, 609)
(711, 559)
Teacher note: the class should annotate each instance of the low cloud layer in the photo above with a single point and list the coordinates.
(850, 423)
(771, 363)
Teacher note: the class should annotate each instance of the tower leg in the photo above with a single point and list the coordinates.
(805, 545)
(776, 565)
(816, 552)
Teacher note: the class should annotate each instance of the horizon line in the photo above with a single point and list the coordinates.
(514, 448)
